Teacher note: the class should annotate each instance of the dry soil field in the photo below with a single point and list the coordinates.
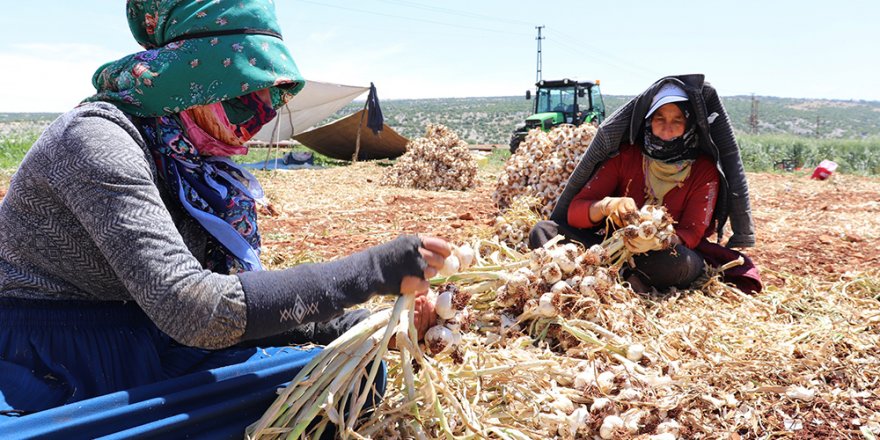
(800, 360)
(820, 229)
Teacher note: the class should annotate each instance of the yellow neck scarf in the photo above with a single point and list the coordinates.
(660, 177)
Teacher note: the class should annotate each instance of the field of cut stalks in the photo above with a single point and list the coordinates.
(800, 360)
(552, 345)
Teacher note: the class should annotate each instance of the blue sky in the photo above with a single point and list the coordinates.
(426, 49)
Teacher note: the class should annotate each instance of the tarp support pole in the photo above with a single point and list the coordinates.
(272, 140)
(357, 142)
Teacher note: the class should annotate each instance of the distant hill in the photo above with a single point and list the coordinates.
(28, 117)
(491, 120)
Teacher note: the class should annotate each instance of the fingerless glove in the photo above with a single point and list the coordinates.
(280, 300)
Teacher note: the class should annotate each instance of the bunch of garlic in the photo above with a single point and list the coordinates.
(513, 225)
(513, 231)
(652, 222)
(651, 225)
(542, 165)
(450, 304)
(560, 280)
(437, 161)
(624, 409)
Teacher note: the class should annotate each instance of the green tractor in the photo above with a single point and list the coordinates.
(562, 101)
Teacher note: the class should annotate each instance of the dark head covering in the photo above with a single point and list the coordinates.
(678, 149)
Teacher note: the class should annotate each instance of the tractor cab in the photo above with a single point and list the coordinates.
(562, 101)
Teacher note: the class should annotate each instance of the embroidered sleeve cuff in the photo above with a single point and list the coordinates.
(280, 300)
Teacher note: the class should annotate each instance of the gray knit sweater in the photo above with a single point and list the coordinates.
(86, 218)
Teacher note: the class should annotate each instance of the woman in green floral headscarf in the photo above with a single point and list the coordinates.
(129, 256)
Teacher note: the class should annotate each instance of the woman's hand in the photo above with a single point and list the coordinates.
(638, 245)
(425, 317)
(434, 250)
(614, 208)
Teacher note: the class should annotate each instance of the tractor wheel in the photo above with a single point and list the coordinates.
(514, 143)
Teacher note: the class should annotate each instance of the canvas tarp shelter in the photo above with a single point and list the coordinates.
(338, 139)
(313, 104)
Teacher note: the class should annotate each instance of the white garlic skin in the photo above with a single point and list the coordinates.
(443, 306)
(635, 352)
(439, 339)
(545, 306)
(465, 254)
(610, 425)
(450, 266)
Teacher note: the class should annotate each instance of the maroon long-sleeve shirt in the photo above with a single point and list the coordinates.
(691, 205)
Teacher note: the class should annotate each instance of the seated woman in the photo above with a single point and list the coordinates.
(673, 162)
(132, 296)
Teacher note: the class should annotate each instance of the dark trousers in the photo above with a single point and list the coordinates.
(677, 267)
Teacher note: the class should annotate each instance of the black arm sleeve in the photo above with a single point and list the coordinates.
(280, 300)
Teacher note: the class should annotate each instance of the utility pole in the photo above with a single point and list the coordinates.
(538, 74)
(753, 117)
(817, 125)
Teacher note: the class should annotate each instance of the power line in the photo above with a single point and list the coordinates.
(608, 55)
(366, 11)
(454, 12)
(608, 58)
(637, 71)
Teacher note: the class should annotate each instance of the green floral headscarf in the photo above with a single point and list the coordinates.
(198, 52)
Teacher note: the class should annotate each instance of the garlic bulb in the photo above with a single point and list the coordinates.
(629, 394)
(610, 426)
(562, 403)
(632, 420)
(551, 273)
(635, 352)
(450, 266)
(584, 378)
(647, 230)
(605, 381)
(538, 258)
(668, 426)
(567, 265)
(439, 339)
(443, 306)
(545, 306)
(588, 286)
(577, 420)
(599, 404)
(465, 254)
(561, 288)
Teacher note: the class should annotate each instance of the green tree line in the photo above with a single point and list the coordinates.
(801, 131)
